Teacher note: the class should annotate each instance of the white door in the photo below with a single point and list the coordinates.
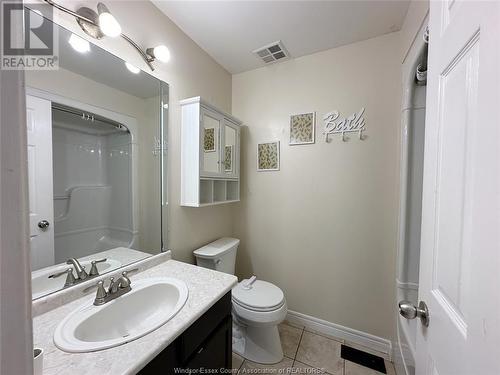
(39, 123)
(459, 265)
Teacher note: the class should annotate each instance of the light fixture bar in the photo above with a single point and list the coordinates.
(147, 59)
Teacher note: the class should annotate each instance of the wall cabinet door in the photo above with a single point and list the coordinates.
(230, 151)
(210, 153)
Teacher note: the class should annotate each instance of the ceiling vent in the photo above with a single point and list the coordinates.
(272, 53)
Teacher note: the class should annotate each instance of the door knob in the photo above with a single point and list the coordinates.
(409, 311)
(44, 224)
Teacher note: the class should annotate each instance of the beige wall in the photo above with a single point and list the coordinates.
(191, 72)
(323, 228)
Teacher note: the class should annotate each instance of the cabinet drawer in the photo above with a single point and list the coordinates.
(195, 335)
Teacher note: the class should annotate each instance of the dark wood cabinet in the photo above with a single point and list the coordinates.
(206, 344)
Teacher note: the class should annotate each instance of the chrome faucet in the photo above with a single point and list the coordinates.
(81, 274)
(115, 289)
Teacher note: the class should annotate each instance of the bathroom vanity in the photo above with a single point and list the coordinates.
(205, 344)
(199, 335)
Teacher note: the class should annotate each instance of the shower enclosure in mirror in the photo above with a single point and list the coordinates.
(96, 130)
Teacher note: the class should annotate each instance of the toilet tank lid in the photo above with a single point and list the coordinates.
(217, 248)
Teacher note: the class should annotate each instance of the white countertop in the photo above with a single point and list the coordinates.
(205, 288)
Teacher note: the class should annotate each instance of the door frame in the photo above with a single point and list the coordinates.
(409, 65)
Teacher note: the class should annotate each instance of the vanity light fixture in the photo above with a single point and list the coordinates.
(160, 52)
(107, 22)
(132, 68)
(103, 23)
(79, 44)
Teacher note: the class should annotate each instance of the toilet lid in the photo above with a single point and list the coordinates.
(263, 296)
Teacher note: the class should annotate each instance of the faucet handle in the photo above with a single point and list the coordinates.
(124, 280)
(101, 293)
(93, 270)
(70, 278)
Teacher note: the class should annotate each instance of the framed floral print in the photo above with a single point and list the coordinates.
(228, 158)
(209, 140)
(302, 128)
(268, 156)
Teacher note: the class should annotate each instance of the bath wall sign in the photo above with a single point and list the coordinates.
(334, 124)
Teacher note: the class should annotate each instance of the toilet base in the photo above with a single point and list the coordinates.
(261, 344)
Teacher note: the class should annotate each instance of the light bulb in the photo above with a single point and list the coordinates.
(162, 53)
(132, 68)
(107, 22)
(79, 44)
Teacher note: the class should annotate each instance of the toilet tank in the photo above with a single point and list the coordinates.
(219, 255)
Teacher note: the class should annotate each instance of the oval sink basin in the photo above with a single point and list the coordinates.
(150, 304)
(42, 285)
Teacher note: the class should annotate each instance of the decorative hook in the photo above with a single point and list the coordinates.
(352, 124)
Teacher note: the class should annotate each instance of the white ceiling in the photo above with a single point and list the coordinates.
(230, 30)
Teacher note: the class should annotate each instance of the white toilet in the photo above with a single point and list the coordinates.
(258, 306)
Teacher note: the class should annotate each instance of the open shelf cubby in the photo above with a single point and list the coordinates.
(233, 190)
(206, 191)
(215, 191)
(219, 191)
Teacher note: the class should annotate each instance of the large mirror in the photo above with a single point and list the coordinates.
(96, 134)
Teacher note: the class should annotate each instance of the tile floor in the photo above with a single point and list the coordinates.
(307, 353)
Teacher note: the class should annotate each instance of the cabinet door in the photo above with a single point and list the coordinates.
(215, 352)
(231, 150)
(210, 153)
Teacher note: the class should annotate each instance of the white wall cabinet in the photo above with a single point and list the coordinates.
(210, 155)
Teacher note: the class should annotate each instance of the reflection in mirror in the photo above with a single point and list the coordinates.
(95, 153)
(211, 150)
(229, 147)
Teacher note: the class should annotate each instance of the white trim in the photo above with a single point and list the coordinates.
(16, 339)
(345, 333)
(407, 285)
(207, 105)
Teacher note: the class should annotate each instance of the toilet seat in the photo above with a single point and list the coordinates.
(261, 296)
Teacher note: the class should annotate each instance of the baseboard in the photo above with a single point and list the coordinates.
(367, 340)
